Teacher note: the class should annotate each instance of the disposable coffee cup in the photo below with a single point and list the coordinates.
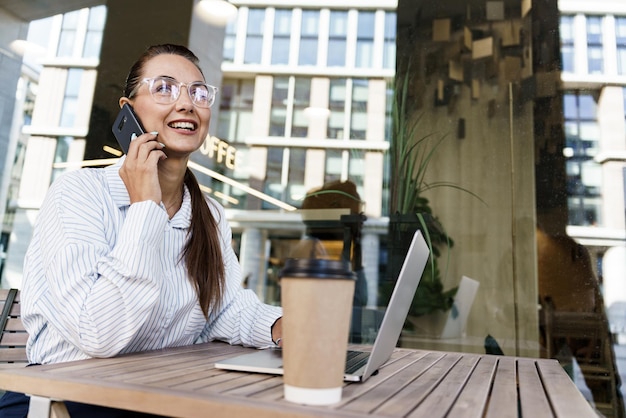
(316, 296)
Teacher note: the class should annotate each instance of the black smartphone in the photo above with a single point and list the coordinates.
(125, 125)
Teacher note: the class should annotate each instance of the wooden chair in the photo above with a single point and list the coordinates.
(586, 335)
(13, 336)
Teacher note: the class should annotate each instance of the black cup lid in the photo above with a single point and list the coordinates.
(317, 268)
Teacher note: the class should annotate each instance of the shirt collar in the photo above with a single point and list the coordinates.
(120, 196)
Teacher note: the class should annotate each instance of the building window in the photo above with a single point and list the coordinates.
(235, 116)
(567, 43)
(302, 99)
(290, 96)
(348, 97)
(309, 32)
(60, 155)
(337, 105)
(282, 35)
(584, 179)
(274, 185)
(254, 36)
(620, 34)
(70, 100)
(337, 38)
(67, 38)
(295, 176)
(278, 114)
(95, 27)
(389, 44)
(230, 41)
(595, 57)
(358, 111)
(365, 39)
(334, 165)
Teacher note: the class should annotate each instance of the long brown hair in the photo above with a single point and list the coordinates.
(202, 252)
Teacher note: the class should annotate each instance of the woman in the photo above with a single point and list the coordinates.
(134, 257)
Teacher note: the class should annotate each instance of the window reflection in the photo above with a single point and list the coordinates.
(584, 176)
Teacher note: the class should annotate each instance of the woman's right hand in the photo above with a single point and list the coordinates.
(139, 172)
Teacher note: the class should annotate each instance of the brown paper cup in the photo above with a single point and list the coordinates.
(317, 303)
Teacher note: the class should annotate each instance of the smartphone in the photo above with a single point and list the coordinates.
(125, 125)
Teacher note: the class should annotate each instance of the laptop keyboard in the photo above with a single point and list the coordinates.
(355, 360)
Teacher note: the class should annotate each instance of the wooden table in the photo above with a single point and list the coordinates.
(183, 382)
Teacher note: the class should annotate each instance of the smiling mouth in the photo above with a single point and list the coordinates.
(183, 125)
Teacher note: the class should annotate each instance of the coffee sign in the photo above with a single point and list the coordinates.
(221, 151)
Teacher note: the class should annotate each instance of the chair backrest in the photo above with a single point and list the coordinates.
(13, 336)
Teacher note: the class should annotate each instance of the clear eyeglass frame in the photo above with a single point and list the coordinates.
(166, 90)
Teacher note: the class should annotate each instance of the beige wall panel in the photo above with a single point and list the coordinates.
(50, 98)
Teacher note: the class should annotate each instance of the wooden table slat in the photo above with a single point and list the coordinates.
(473, 399)
(533, 402)
(503, 399)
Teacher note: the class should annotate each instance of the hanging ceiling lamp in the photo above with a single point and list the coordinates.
(216, 12)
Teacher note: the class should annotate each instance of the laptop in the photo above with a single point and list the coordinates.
(360, 365)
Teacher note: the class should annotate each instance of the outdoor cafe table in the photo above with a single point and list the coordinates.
(183, 382)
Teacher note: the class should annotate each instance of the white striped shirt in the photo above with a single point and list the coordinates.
(103, 277)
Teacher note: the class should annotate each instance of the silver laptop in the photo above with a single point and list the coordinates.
(360, 364)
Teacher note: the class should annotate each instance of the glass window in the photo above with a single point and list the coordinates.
(365, 39)
(302, 99)
(95, 27)
(595, 57)
(295, 182)
(273, 179)
(567, 43)
(388, 109)
(337, 104)
(278, 114)
(356, 168)
(230, 39)
(254, 36)
(337, 38)
(67, 38)
(60, 154)
(620, 32)
(235, 116)
(582, 135)
(309, 34)
(291, 95)
(358, 122)
(389, 51)
(282, 34)
(334, 165)
(70, 101)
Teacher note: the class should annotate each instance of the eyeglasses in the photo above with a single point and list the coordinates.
(166, 90)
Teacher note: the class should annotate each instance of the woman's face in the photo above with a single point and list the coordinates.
(181, 125)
